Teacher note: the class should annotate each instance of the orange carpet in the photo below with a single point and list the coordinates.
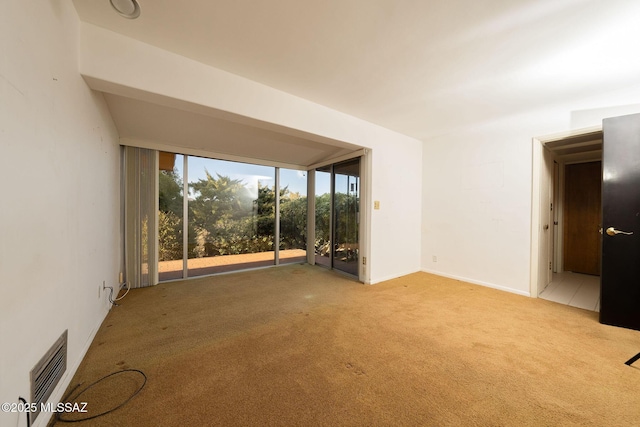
(302, 346)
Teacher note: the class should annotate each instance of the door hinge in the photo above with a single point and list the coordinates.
(364, 260)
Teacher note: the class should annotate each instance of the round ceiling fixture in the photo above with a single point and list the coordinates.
(128, 8)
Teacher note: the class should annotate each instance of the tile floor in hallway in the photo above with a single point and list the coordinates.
(574, 289)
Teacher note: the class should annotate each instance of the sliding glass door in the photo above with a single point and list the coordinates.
(346, 216)
(337, 203)
(323, 201)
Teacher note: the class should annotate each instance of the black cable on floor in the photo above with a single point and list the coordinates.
(66, 399)
(28, 413)
(632, 360)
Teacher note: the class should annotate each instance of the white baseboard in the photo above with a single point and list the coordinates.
(391, 277)
(478, 282)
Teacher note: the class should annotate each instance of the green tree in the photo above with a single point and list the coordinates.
(293, 221)
(346, 208)
(170, 192)
(323, 219)
(169, 236)
(225, 219)
(169, 216)
(216, 199)
(265, 208)
(220, 215)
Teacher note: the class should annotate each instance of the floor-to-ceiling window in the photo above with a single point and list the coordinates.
(293, 216)
(170, 216)
(230, 217)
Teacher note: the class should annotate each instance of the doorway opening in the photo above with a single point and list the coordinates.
(566, 237)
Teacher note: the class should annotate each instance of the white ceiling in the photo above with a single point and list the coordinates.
(419, 67)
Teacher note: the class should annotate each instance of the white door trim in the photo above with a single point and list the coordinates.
(540, 176)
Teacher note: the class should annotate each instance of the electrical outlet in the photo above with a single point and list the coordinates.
(435, 258)
(99, 291)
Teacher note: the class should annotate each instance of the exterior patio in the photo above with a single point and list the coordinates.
(172, 270)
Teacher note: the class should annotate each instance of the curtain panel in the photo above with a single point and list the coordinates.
(141, 216)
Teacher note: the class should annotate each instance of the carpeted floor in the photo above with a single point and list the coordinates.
(302, 346)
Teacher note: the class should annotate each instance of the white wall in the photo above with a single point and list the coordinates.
(395, 226)
(59, 216)
(117, 64)
(477, 189)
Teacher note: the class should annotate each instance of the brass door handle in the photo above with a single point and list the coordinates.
(612, 232)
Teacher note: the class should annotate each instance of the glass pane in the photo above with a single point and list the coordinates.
(323, 216)
(170, 219)
(231, 216)
(293, 216)
(346, 216)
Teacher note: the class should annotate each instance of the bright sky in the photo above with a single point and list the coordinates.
(250, 174)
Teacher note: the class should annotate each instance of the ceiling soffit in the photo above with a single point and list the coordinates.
(149, 124)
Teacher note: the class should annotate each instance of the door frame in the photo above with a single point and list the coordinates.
(364, 231)
(541, 254)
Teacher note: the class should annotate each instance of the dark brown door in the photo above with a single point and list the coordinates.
(620, 279)
(582, 212)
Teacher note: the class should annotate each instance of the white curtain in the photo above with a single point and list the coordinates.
(141, 213)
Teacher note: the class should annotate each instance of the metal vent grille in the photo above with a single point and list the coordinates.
(47, 372)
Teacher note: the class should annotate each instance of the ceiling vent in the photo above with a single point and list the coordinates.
(129, 9)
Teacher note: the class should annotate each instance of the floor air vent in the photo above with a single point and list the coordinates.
(47, 372)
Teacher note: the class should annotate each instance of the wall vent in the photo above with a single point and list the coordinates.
(47, 372)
